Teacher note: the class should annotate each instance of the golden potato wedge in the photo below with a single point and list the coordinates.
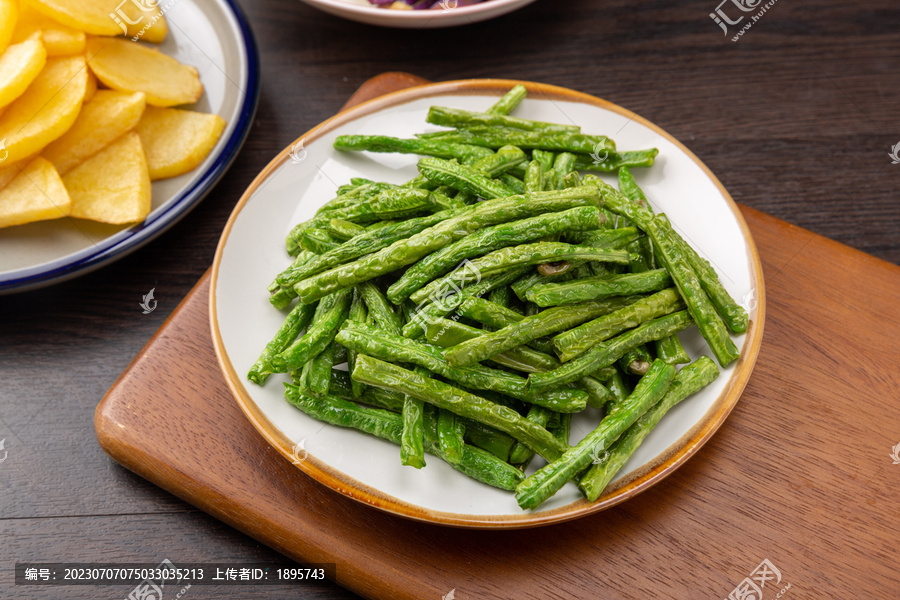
(35, 194)
(101, 121)
(7, 173)
(9, 13)
(142, 21)
(47, 108)
(176, 141)
(91, 87)
(130, 67)
(20, 64)
(89, 16)
(113, 186)
(58, 39)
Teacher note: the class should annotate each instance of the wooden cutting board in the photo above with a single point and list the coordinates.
(800, 473)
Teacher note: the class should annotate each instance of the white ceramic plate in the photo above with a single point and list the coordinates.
(451, 14)
(213, 36)
(291, 189)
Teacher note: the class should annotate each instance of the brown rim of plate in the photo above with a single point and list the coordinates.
(636, 481)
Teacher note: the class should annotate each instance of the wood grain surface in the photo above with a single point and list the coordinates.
(796, 119)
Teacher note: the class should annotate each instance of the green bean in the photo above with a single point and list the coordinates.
(571, 180)
(524, 284)
(487, 438)
(320, 370)
(734, 316)
(425, 312)
(509, 101)
(497, 317)
(395, 203)
(360, 194)
(630, 189)
(501, 296)
(375, 372)
(687, 382)
(344, 230)
(702, 310)
(342, 386)
(408, 251)
(301, 259)
(379, 307)
(543, 158)
(520, 453)
(564, 163)
(544, 323)
(412, 439)
(359, 314)
(450, 430)
(293, 324)
(618, 388)
(463, 178)
(455, 117)
(636, 361)
(607, 238)
(382, 345)
(534, 177)
(606, 353)
(329, 314)
(487, 240)
(523, 254)
(597, 288)
(548, 480)
(318, 241)
(438, 148)
(495, 137)
(501, 161)
(475, 463)
(512, 182)
(670, 350)
(446, 333)
(570, 344)
(598, 394)
(617, 160)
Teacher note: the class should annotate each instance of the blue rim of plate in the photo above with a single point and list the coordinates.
(129, 240)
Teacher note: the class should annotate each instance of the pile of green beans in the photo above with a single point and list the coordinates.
(481, 305)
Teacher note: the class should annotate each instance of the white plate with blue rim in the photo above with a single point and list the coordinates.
(305, 175)
(212, 36)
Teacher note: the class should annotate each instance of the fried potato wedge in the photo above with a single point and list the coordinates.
(108, 116)
(129, 67)
(176, 141)
(142, 21)
(113, 186)
(9, 14)
(46, 110)
(58, 39)
(7, 173)
(89, 16)
(91, 86)
(20, 64)
(35, 194)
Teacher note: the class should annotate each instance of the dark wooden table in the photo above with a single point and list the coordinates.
(797, 119)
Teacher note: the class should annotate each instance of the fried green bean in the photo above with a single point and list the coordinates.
(329, 314)
(520, 453)
(578, 340)
(379, 307)
(412, 439)
(604, 354)
(471, 218)
(427, 147)
(372, 371)
(616, 160)
(524, 254)
(509, 101)
(293, 324)
(451, 432)
(385, 346)
(496, 137)
(490, 239)
(687, 382)
(463, 178)
(455, 117)
(548, 480)
(596, 288)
